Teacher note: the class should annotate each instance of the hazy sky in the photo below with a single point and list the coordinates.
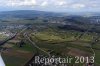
(51, 5)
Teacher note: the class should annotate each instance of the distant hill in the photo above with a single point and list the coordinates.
(42, 16)
(35, 13)
(27, 14)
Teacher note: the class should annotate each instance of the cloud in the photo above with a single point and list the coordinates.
(78, 6)
(70, 3)
(52, 4)
(45, 3)
(17, 3)
(61, 3)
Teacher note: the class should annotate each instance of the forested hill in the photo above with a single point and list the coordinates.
(27, 14)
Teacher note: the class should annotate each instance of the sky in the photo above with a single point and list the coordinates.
(51, 5)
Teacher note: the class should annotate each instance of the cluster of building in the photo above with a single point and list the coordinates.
(5, 34)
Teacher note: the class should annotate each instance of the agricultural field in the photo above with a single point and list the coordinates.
(67, 42)
(48, 34)
(14, 55)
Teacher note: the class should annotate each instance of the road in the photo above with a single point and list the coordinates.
(34, 44)
(30, 62)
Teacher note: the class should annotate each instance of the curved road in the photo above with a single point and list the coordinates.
(34, 44)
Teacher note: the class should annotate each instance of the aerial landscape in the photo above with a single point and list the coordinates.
(41, 36)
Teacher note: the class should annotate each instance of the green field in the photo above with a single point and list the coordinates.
(53, 40)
